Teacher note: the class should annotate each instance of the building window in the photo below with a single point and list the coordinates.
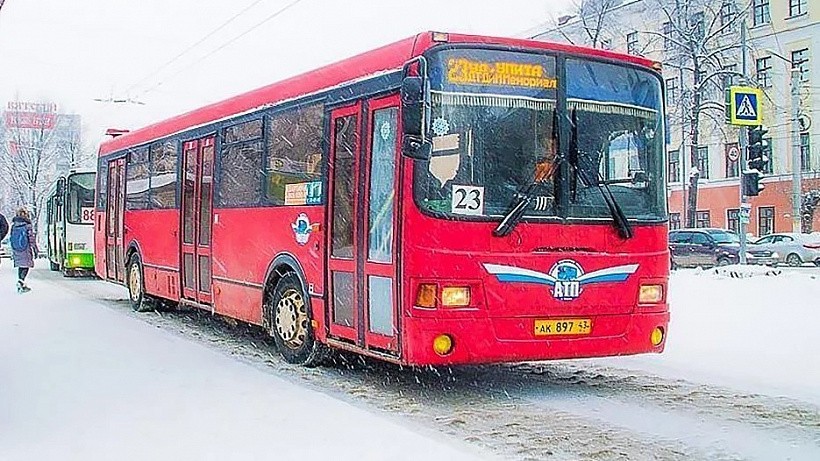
(703, 162)
(733, 220)
(805, 152)
(768, 147)
(667, 36)
(764, 69)
(671, 91)
(760, 14)
(727, 15)
(729, 75)
(702, 219)
(697, 24)
(632, 43)
(732, 166)
(797, 7)
(765, 220)
(800, 61)
(674, 221)
(674, 166)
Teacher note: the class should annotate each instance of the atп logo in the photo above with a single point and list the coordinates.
(566, 273)
(566, 277)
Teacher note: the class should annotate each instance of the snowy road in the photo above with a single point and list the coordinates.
(719, 393)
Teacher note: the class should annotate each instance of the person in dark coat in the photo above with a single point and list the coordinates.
(4, 229)
(23, 257)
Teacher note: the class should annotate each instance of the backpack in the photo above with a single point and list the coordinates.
(19, 238)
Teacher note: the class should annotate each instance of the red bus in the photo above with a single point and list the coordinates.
(446, 199)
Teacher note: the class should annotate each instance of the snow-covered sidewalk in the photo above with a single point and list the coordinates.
(82, 382)
(752, 332)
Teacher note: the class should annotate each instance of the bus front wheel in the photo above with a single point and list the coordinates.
(291, 325)
(136, 285)
(53, 266)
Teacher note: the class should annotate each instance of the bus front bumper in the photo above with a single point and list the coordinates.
(499, 340)
(79, 261)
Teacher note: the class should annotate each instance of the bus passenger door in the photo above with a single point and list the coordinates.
(378, 210)
(343, 286)
(362, 268)
(114, 264)
(197, 201)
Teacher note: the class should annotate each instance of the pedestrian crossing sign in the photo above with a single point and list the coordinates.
(744, 106)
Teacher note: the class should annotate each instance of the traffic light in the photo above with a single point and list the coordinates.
(758, 160)
(751, 183)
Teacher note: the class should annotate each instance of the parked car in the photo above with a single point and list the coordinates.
(704, 247)
(791, 248)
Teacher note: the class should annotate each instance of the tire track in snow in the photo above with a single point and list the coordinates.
(556, 410)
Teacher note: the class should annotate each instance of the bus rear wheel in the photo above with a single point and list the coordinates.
(291, 325)
(135, 281)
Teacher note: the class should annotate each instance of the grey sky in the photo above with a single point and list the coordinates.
(71, 52)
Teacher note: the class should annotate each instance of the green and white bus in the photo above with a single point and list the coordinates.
(70, 224)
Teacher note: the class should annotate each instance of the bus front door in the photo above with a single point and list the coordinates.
(114, 244)
(197, 202)
(362, 239)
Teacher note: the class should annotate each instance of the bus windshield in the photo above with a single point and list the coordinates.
(496, 137)
(80, 198)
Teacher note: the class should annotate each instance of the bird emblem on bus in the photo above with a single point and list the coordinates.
(566, 277)
(302, 228)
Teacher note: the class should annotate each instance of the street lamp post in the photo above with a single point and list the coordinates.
(797, 161)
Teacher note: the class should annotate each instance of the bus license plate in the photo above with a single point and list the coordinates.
(563, 327)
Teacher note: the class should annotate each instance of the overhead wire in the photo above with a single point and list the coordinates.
(229, 42)
(194, 45)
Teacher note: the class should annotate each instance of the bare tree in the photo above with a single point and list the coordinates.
(702, 42)
(31, 158)
(594, 20)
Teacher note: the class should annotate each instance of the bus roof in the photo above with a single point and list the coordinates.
(387, 58)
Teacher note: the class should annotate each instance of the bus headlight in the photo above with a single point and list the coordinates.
(650, 294)
(75, 260)
(455, 296)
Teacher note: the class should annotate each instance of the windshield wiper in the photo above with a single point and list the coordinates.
(517, 208)
(584, 167)
(618, 216)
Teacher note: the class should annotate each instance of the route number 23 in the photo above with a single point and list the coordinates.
(468, 200)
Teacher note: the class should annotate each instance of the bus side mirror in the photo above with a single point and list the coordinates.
(412, 106)
(60, 187)
(414, 147)
(412, 118)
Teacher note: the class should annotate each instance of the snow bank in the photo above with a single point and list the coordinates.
(739, 271)
(755, 333)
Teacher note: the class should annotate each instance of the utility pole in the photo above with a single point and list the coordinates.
(742, 142)
(797, 161)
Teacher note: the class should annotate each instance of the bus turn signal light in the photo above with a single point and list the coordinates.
(656, 337)
(651, 294)
(426, 296)
(455, 296)
(443, 344)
